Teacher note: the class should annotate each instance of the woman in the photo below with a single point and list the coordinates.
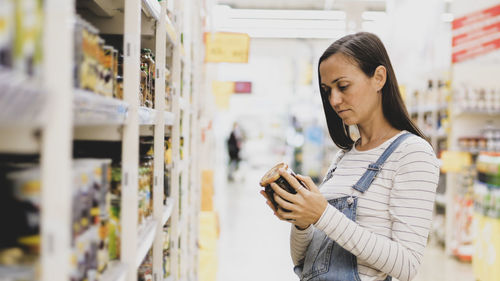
(371, 218)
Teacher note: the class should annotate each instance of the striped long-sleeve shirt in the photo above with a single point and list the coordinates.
(393, 216)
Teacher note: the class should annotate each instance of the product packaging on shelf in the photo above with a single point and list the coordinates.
(145, 271)
(477, 99)
(20, 202)
(6, 32)
(27, 49)
(90, 218)
(146, 182)
(147, 78)
(166, 250)
(96, 64)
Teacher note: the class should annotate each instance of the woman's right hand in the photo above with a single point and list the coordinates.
(301, 227)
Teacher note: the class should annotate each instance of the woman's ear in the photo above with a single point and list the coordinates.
(380, 76)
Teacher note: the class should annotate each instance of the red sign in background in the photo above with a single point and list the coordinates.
(243, 87)
(476, 34)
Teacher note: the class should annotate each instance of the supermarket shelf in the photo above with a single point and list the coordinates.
(427, 108)
(169, 118)
(167, 210)
(168, 166)
(146, 116)
(171, 32)
(475, 112)
(116, 271)
(17, 272)
(440, 199)
(20, 140)
(170, 278)
(183, 104)
(151, 8)
(22, 102)
(93, 109)
(101, 8)
(145, 240)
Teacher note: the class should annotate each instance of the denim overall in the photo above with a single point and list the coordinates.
(326, 260)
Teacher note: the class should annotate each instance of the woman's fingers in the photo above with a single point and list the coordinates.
(283, 193)
(292, 181)
(283, 203)
(284, 215)
(308, 182)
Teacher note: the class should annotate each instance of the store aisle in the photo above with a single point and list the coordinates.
(253, 244)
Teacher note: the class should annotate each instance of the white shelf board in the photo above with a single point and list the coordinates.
(102, 8)
(98, 133)
(145, 240)
(167, 210)
(93, 109)
(116, 271)
(169, 118)
(475, 112)
(22, 100)
(17, 272)
(20, 140)
(169, 278)
(151, 8)
(146, 116)
(171, 32)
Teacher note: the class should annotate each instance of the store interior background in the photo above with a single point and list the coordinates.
(282, 68)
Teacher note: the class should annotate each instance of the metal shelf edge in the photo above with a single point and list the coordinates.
(146, 116)
(152, 7)
(116, 271)
(94, 109)
(167, 211)
(145, 238)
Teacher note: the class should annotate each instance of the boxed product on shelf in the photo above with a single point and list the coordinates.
(114, 228)
(147, 78)
(166, 250)
(91, 204)
(477, 99)
(96, 64)
(6, 32)
(145, 271)
(146, 181)
(27, 50)
(20, 198)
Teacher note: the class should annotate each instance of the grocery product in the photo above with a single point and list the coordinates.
(145, 270)
(27, 36)
(6, 32)
(273, 176)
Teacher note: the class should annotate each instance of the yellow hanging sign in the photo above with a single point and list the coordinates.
(222, 91)
(455, 161)
(226, 47)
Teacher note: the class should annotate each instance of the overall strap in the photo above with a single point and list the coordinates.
(365, 181)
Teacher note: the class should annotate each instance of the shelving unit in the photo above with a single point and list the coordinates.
(56, 114)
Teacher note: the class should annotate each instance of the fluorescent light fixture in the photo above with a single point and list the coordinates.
(282, 14)
(280, 23)
(373, 16)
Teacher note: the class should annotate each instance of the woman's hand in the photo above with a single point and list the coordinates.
(306, 206)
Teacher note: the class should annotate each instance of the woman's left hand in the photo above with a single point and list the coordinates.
(306, 206)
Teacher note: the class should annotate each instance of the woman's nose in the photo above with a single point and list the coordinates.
(335, 98)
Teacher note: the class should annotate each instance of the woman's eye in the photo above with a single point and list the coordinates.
(343, 87)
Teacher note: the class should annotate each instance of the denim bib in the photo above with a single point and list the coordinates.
(326, 260)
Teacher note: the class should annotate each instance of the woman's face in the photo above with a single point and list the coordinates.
(353, 95)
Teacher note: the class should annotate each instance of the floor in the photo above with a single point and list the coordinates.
(254, 245)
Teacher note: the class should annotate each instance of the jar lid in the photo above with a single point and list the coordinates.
(273, 174)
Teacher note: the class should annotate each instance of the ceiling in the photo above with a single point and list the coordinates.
(368, 5)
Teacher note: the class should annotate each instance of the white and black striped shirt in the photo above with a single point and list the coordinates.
(393, 216)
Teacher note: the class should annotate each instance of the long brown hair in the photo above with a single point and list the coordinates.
(368, 51)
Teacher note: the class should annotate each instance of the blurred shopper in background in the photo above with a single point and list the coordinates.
(234, 143)
(371, 218)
